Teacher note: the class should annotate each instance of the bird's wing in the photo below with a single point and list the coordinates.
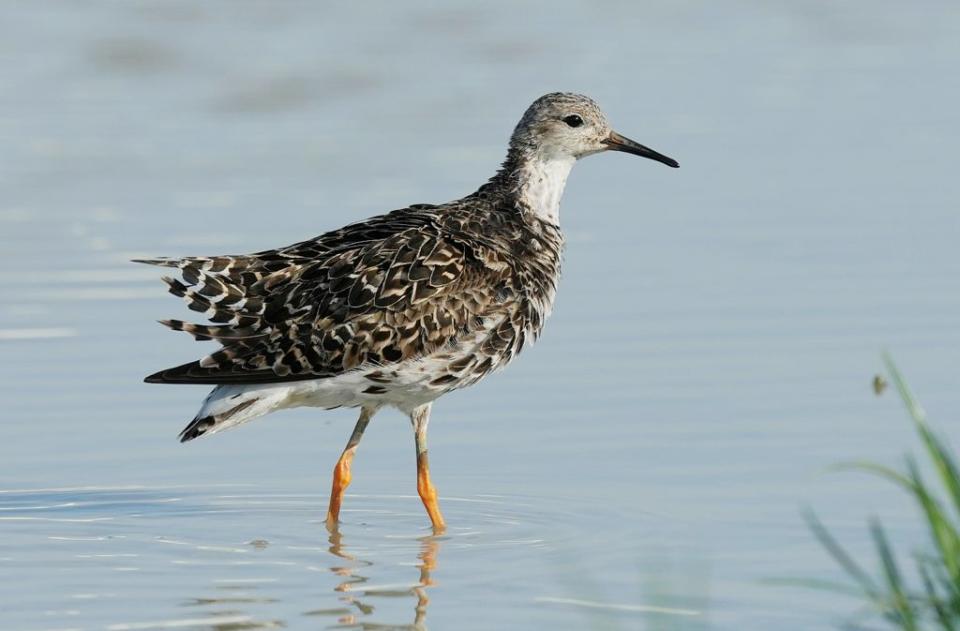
(394, 288)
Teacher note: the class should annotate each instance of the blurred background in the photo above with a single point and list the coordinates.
(710, 355)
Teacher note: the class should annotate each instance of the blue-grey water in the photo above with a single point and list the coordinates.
(643, 467)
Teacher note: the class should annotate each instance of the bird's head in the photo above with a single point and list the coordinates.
(565, 126)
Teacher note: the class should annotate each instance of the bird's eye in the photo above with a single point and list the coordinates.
(573, 120)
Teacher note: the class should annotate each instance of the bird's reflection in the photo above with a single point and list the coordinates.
(356, 596)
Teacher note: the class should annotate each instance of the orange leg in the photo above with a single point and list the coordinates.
(425, 488)
(341, 472)
(428, 492)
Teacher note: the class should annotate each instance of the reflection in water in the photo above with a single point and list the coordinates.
(280, 571)
(354, 582)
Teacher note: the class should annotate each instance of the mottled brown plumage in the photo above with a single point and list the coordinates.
(398, 309)
(401, 286)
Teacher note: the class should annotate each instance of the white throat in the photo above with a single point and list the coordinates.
(541, 185)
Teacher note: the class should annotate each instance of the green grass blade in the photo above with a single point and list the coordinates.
(840, 555)
(913, 406)
(880, 470)
(944, 463)
(933, 599)
(935, 604)
(899, 605)
(948, 586)
(943, 532)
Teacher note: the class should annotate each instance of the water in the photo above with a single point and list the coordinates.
(710, 355)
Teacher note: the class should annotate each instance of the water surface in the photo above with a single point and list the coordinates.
(711, 352)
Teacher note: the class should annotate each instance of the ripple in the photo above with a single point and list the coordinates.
(590, 604)
(36, 334)
(210, 547)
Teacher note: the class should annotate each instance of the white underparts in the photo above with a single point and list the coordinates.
(405, 386)
(541, 185)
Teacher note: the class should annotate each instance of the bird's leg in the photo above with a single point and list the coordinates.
(341, 472)
(420, 418)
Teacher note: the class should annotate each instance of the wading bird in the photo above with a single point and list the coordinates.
(396, 310)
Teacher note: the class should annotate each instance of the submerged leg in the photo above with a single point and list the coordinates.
(420, 418)
(341, 472)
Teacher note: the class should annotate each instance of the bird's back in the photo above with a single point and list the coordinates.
(464, 284)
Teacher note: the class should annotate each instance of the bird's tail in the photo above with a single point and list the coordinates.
(231, 405)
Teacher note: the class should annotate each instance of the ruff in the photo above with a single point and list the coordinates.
(396, 310)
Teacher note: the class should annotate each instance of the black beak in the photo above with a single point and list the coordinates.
(616, 142)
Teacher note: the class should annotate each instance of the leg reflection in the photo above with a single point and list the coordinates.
(357, 591)
(429, 547)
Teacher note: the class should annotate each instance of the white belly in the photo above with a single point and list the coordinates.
(406, 386)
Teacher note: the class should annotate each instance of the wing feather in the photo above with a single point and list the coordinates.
(394, 288)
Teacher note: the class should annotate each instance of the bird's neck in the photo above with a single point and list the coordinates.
(535, 181)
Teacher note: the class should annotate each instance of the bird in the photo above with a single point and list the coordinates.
(396, 310)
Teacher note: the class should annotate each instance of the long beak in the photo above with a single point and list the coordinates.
(616, 142)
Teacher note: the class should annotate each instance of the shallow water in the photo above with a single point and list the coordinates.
(710, 355)
(260, 559)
